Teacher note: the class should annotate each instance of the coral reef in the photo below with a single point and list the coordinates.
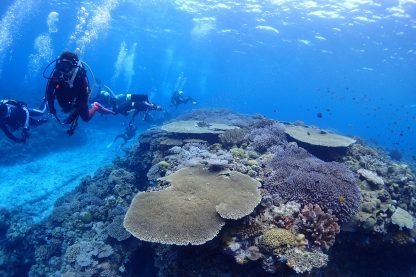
(294, 229)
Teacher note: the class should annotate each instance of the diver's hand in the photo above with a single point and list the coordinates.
(52, 111)
(69, 120)
(70, 132)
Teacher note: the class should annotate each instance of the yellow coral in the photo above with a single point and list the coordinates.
(341, 198)
(252, 163)
(237, 153)
(276, 238)
(164, 164)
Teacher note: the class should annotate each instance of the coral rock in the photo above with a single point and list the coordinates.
(402, 218)
(303, 261)
(372, 177)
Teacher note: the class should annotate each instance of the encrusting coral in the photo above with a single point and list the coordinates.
(302, 261)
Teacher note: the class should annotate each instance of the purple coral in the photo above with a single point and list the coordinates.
(298, 176)
(320, 226)
(265, 134)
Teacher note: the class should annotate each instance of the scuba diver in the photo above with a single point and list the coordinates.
(68, 83)
(128, 134)
(178, 98)
(137, 103)
(106, 97)
(15, 115)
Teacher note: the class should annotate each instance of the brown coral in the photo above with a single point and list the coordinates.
(320, 226)
(249, 230)
(192, 210)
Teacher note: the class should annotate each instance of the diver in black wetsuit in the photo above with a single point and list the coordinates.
(68, 84)
(15, 115)
(137, 103)
(107, 97)
(129, 133)
(178, 98)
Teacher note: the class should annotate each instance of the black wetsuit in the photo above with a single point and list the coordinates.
(71, 99)
(18, 116)
(107, 100)
(178, 98)
(137, 103)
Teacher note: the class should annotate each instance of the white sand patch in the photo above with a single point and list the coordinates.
(34, 187)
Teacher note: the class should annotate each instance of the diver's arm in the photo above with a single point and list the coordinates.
(50, 96)
(26, 126)
(41, 111)
(152, 106)
(10, 134)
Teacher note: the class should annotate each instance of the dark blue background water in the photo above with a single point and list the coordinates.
(353, 61)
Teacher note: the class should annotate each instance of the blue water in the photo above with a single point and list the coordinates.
(353, 61)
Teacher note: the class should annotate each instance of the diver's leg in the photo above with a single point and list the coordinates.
(117, 137)
(125, 140)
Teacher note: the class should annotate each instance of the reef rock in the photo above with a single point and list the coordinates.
(402, 218)
(371, 176)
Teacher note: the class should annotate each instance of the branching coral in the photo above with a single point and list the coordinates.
(298, 176)
(265, 134)
(233, 137)
(320, 226)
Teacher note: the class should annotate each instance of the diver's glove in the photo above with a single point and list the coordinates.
(156, 107)
(73, 120)
(70, 132)
(70, 119)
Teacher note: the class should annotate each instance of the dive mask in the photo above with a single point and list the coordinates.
(65, 65)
